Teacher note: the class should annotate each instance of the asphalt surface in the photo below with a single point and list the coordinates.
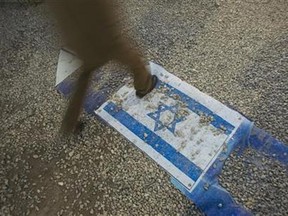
(235, 51)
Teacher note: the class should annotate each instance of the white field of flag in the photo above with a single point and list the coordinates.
(179, 127)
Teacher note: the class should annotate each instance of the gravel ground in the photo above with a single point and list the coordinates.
(236, 51)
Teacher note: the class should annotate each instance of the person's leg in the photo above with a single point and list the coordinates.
(74, 108)
(144, 82)
(81, 25)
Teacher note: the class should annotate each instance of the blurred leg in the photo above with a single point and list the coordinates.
(75, 105)
(130, 57)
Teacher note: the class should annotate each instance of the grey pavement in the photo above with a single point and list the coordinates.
(235, 51)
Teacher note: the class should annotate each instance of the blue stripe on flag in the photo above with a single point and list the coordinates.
(198, 108)
(156, 142)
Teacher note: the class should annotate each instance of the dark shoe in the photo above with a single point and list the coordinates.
(73, 128)
(79, 127)
(141, 94)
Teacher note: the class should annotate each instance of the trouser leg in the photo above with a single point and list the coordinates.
(131, 58)
(75, 104)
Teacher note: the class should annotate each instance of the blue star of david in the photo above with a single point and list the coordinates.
(160, 125)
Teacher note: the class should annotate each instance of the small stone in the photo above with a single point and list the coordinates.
(206, 186)
(35, 156)
(71, 153)
(61, 183)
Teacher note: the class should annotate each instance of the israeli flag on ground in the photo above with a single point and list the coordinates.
(179, 127)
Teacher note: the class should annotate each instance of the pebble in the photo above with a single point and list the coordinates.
(71, 153)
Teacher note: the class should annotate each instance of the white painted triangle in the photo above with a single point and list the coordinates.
(67, 64)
